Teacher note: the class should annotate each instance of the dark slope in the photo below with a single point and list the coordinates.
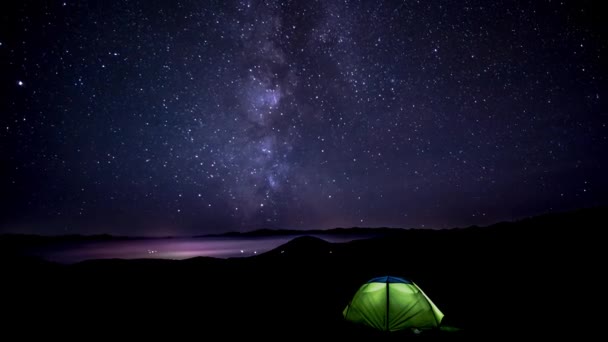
(300, 247)
(533, 277)
(353, 231)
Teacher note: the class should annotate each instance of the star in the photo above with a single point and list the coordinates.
(195, 116)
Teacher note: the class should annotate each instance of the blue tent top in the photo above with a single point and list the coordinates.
(389, 279)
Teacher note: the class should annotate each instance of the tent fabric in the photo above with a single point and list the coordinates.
(392, 304)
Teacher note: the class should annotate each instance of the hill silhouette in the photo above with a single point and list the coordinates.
(300, 247)
(353, 231)
(532, 277)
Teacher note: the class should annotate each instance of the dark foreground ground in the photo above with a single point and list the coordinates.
(534, 278)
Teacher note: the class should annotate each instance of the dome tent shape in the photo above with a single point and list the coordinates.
(392, 304)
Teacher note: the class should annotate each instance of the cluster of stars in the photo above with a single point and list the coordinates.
(137, 118)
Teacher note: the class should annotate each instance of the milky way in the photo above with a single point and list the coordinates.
(187, 117)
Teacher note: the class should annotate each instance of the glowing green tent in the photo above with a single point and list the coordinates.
(392, 304)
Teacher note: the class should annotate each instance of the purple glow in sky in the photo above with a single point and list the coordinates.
(174, 248)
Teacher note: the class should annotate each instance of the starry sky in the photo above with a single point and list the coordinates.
(191, 117)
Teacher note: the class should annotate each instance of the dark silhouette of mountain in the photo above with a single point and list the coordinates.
(537, 221)
(302, 246)
(535, 278)
(354, 231)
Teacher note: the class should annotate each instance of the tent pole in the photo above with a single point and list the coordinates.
(387, 302)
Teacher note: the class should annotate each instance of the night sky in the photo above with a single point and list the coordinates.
(193, 117)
